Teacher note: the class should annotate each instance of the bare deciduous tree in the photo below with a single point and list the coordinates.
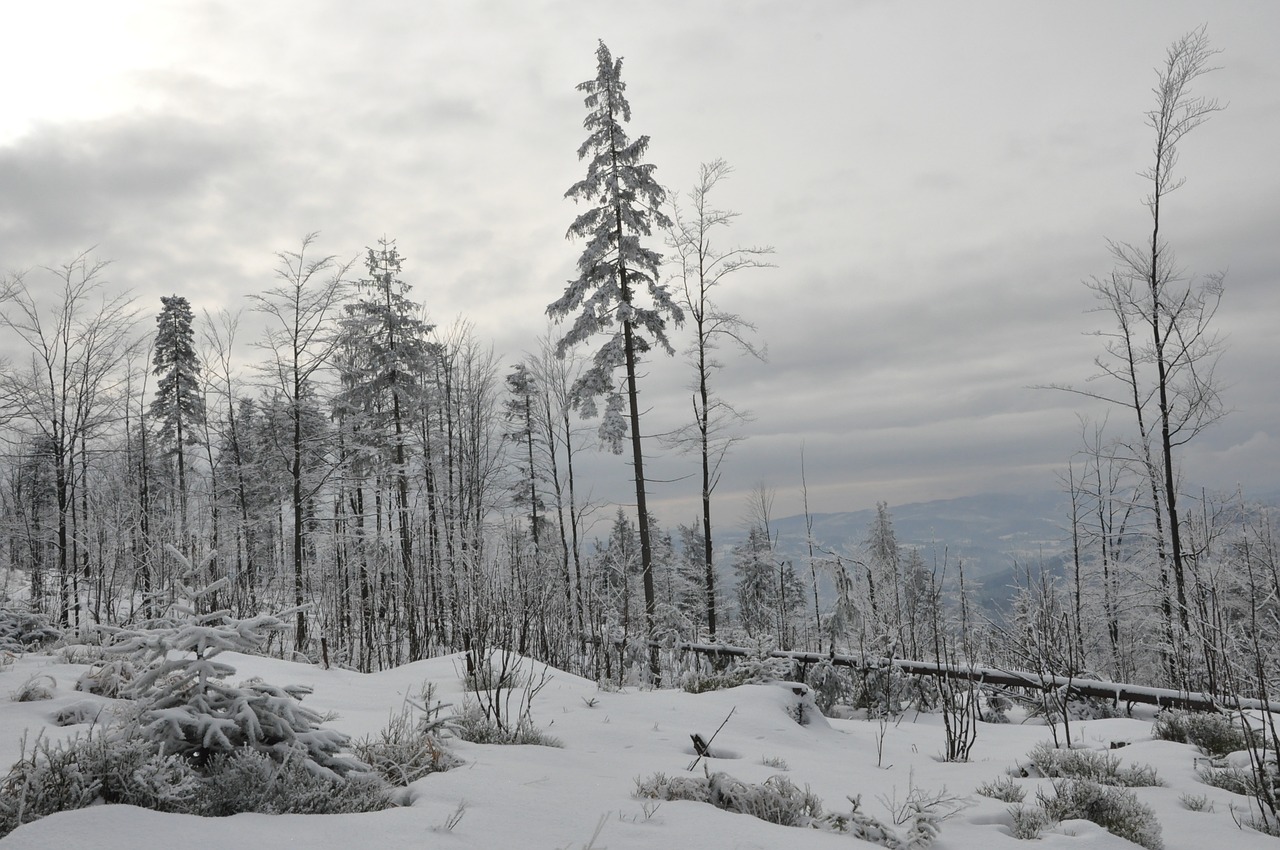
(704, 266)
(299, 341)
(1162, 353)
(70, 391)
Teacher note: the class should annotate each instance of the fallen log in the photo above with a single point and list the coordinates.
(1116, 691)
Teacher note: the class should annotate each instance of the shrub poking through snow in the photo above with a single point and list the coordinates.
(1231, 779)
(1003, 789)
(1214, 734)
(117, 764)
(411, 745)
(679, 787)
(86, 711)
(1092, 765)
(102, 766)
(1196, 802)
(38, 687)
(698, 682)
(1255, 775)
(778, 800)
(22, 630)
(250, 781)
(830, 686)
(995, 708)
(923, 827)
(1116, 810)
(501, 708)
(473, 724)
(1029, 822)
(802, 708)
(883, 692)
(760, 667)
(108, 678)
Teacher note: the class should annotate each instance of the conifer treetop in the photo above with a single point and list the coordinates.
(624, 201)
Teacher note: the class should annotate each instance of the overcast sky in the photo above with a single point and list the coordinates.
(937, 179)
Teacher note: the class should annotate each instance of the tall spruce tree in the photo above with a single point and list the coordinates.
(623, 199)
(382, 327)
(178, 404)
(520, 412)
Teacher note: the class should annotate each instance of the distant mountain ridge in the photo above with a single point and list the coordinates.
(989, 533)
(997, 537)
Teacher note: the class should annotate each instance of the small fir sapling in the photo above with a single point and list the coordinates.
(188, 709)
(924, 828)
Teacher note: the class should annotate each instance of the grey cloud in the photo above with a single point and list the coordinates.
(936, 190)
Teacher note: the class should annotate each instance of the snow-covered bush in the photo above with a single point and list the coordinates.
(1003, 789)
(1260, 781)
(757, 667)
(924, 827)
(38, 687)
(995, 708)
(830, 686)
(118, 764)
(411, 745)
(1196, 802)
(472, 723)
(188, 709)
(760, 667)
(250, 781)
(80, 713)
(110, 765)
(884, 691)
(191, 741)
(659, 786)
(1231, 779)
(108, 678)
(922, 820)
(802, 708)
(1215, 734)
(23, 630)
(1116, 810)
(1098, 766)
(778, 800)
(83, 652)
(699, 682)
(1029, 822)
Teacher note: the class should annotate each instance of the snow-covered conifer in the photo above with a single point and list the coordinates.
(614, 267)
(178, 404)
(188, 708)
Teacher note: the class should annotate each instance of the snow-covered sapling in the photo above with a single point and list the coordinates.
(188, 708)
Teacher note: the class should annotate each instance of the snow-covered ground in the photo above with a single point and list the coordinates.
(541, 797)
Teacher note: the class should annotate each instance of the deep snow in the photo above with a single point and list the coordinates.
(540, 797)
